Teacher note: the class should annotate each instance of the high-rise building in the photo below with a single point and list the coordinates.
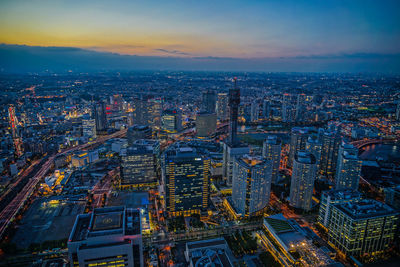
(171, 121)
(100, 117)
(272, 147)
(206, 124)
(251, 184)
(333, 197)
(329, 154)
(155, 107)
(186, 179)
(232, 146)
(140, 111)
(89, 127)
(348, 168)
(222, 107)
(234, 101)
(137, 132)
(254, 111)
(398, 110)
(366, 226)
(314, 146)
(298, 139)
(302, 183)
(300, 107)
(140, 164)
(287, 108)
(109, 236)
(209, 100)
(147, 111)
(266, 111)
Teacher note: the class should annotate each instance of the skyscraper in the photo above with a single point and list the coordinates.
(88, 127)
(300, 107)
(206, 124)
(171, 121)
(298, 139)
(232, 146)
(100, 117)
(329, 154)
(251, 184)
(348, 168)
(186, 179)
(302, 183)
(287, 109)
(234, 101)
(366, 226)
(209, 101)
(314, 146)
(222, 107)
(398, 110)
(272, 151)
(140, 165)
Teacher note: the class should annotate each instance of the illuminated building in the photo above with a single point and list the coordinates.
(287, 109)
(302, 183)
(137, 132)
(186, 178)
(332, 197)
(272, 147)
(89, 127)
(251, 185)
(366, 226)
(314, 146)
(348, 168)
(140, 164)
(80, 159)
(329, 154)
(100, 117)
(206, 124)
(298, 139)
(171, 121)
(222, 107)
(398, 110)
(232, 146)
(209, 99)
(109, 236)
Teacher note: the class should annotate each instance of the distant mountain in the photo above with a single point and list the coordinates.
(22, 59)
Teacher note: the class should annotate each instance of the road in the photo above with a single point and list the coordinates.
(9, 212)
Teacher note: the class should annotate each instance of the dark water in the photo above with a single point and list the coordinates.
(386, 152)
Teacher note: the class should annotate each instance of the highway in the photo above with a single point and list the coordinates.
(9, 212)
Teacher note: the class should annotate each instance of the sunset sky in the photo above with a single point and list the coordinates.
(243, 29)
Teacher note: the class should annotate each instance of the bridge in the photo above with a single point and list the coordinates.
(361, 143)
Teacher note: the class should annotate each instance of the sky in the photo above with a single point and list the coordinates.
(184, 28)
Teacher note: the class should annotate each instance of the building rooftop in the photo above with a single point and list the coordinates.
(305, 157)
(366, 208)
(342, 194)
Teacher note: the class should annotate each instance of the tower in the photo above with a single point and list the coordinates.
(348, 168)
(234, 101)
(272, 151)
(100, 116)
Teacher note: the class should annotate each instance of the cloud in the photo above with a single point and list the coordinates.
(172, 52)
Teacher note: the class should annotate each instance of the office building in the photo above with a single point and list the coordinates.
(209, 101)
(329, 154)
(251, 185)
(100, 117)
(300, 107)
(229, 154)
(206, 124)
(333, 197)
(272, 151)
(109, 236)
(140, 164)
(302, 183)
(366, 226)
(137, 132)
(171, 121)
(222, 107)
(298, 139)
(89, 127)
(186, 179)
(348, 168)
